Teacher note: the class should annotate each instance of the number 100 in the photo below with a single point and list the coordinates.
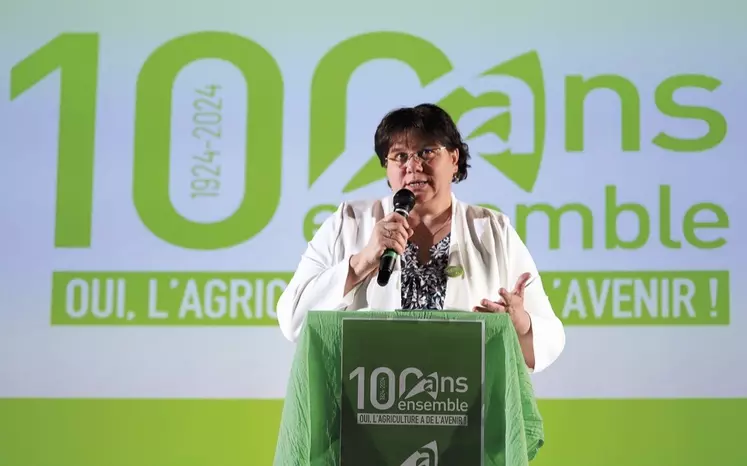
(382, 386)
(77, 57)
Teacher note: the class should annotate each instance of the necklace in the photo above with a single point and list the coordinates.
(446, 223)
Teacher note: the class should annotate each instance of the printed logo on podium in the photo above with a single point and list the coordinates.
(420, 399)
(427, 455)
(412, 386)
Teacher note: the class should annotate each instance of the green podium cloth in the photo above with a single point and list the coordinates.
(310, 427)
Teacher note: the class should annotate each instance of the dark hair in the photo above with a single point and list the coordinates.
(427, 122)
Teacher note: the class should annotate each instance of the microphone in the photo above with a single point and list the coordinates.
(404, 201)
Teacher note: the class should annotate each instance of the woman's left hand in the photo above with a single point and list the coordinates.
(511, 303)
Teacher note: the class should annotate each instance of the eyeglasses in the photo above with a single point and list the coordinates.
(423, 155)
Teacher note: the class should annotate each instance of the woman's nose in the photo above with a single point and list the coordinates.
(414, 165)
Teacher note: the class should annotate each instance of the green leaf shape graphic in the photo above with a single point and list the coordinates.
(329, 87)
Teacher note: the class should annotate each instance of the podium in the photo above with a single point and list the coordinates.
(408, 388)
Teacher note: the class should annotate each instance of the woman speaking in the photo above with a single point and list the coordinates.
(452, 255)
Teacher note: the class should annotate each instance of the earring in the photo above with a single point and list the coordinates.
(454, 178)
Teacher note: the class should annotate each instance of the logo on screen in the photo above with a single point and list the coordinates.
(207, 165)
(513, 149)
(521, 146)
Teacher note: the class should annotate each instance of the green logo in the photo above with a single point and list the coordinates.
(329, 106)
(76, 57)
(329, 103)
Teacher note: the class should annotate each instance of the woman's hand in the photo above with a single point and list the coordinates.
(511, 303)
(391, 231)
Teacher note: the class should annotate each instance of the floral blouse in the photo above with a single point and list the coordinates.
(424, 286)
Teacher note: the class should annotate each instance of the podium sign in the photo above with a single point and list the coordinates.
(412, 392)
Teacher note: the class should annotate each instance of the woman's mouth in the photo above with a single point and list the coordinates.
(417, 184)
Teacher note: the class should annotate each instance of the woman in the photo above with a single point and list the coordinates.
(454, 256)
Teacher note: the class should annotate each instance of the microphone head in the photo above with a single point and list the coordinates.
(404, 200)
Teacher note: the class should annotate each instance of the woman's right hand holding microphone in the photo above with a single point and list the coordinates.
(392, 232)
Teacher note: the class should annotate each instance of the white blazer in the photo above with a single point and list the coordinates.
(483, 244)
